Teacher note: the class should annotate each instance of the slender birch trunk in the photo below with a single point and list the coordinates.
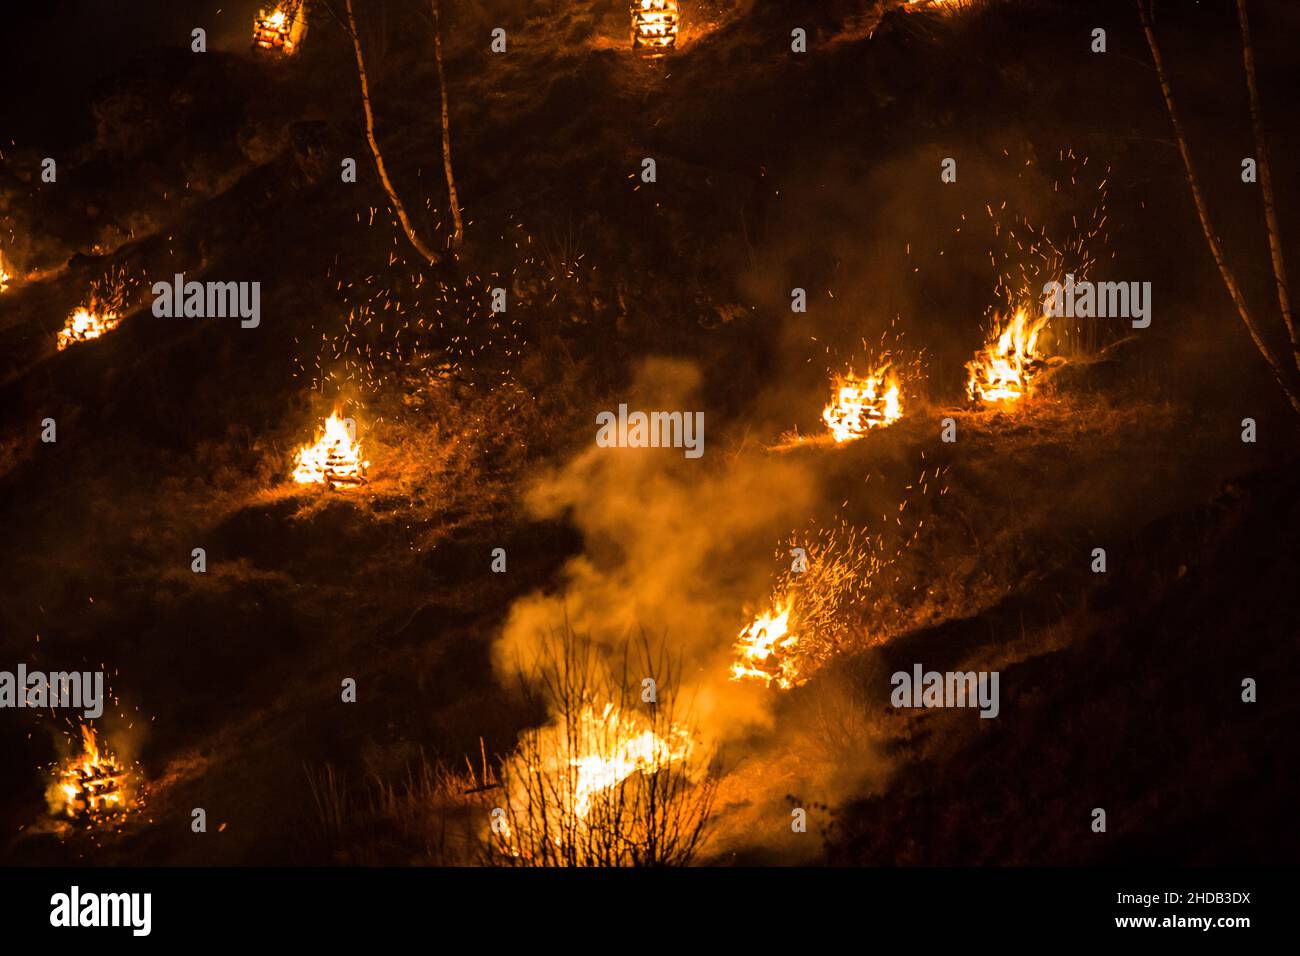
(1266, 184)
(405, 220)
(1203, 214)
(458, 231)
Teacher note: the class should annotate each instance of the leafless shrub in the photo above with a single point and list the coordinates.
(612, 779)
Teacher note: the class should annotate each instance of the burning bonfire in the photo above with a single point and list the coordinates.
(654, 26)
(824, 603)
(92, 786)
(88, 322)
(103, 311)
(333, 459)
(860, 403)
(765, 649)
(281, 28)
(1005, 368)
(4, 273)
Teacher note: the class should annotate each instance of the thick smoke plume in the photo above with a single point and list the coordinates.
(676, 548)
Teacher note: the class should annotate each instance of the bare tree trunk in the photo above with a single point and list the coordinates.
(1266, 184)
(458, 232)
(1203, 214)
(405, 220)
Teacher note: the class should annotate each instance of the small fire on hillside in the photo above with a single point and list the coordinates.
(92, 786)
(860, 403)
(4, 273)
(334, 458)
(764, 649)
(88, 322)
(105, 305)
(611, 747)
(654, 26)
(281, 28)
(585, 786)
(1004, 369)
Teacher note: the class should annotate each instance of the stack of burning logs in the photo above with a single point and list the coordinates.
(654, 26)
(275, 29)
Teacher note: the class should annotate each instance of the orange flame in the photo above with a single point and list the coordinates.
(566, 782)
(592, 752)
(281, 28)
(1003, 370)
(764, 649)
(88, 322)
(860, 403)
(333, 459)
(93, 784)
(612, 748)
(654, 26)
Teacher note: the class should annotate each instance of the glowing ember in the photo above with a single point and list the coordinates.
(281, 28)
(1003, 370)
(654, 26)
(861, 403)
(764, 649)
(88, 322)
(91, 786)
(334, 458)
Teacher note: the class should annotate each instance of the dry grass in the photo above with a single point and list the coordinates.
(431, 816)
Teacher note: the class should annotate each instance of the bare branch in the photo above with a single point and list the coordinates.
(405, 220)
(458, 232)
(1266, 184)
(1203, 214)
